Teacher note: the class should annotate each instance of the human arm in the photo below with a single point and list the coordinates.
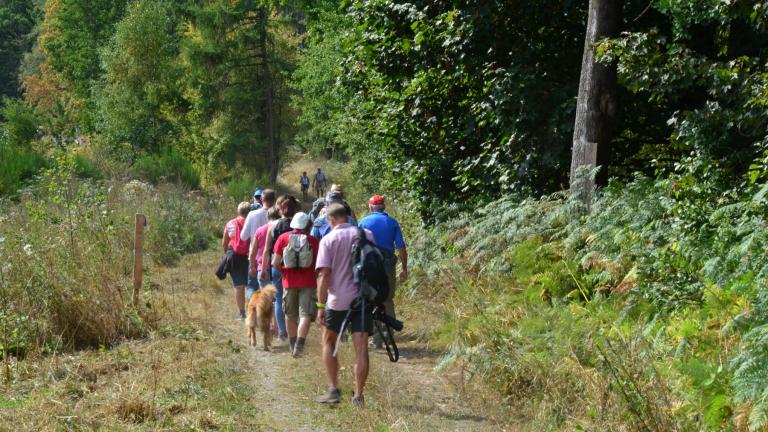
(323, 282)
(277, 262)
(265, 258)
(403, 253)
(247, 231)
(225, 240)
(252, 258)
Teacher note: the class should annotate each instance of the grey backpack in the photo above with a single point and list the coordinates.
(298, 253)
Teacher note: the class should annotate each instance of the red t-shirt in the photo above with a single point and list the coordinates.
(298, 278)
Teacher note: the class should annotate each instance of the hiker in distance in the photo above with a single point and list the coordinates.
(233, 244)
(336, 291)
(319, 182)
(304, 183)
(389, 237)
(295, 257)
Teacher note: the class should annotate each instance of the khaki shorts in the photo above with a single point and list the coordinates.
(299, 302)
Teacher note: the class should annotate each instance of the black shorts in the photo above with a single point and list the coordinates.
(358, 323)
(239, 270)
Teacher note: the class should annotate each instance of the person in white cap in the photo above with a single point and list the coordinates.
(295, 256)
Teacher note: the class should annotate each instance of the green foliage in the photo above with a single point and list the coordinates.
(17, 21)
(20, 123)
(242, 185)
(167, 165)
(16, 166)
(140, 91)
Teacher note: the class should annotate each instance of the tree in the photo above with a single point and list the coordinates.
(17, 22)
(596, 104)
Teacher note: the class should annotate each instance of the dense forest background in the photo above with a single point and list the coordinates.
(648, 295)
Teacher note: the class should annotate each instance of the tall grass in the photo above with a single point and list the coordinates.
(66, 253)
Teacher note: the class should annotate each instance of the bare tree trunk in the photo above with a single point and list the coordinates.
(269, 99)
(596, 105)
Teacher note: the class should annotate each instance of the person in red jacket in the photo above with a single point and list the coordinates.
(231, 241)
(295, 257)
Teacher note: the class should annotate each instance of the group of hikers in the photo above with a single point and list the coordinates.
(308, 258)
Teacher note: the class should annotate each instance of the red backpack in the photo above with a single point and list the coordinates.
(239, 247)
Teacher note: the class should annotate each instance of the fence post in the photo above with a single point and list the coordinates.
(138, 257)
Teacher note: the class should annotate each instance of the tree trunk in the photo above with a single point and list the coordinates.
(596, 105)
(269, 98)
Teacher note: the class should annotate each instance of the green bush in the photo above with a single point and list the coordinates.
(241, 185)
(17, 166)
(167, 165)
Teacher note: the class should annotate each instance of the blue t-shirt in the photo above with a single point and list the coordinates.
(386, 230)
(321, 227)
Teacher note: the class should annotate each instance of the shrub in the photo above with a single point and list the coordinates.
(16, 166)
(167, 165)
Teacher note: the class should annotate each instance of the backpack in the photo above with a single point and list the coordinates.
(239, 247)
(281, 227)
(369, 272)
(255, 206)
(317, 206)
(298, 253)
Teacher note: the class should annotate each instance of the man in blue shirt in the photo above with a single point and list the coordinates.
(389, 237)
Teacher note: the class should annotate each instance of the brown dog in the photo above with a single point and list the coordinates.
(260, 312)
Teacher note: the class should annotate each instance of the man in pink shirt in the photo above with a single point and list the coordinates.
(336, 292)
(257, 251)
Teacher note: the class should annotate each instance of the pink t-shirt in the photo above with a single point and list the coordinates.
(336, 254)
(261, 242)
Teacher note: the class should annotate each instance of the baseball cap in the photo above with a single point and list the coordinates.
(258, 192)
(376, 200)
(300, 221)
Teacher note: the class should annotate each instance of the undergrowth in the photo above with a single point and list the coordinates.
(66, 247)
(644, 312)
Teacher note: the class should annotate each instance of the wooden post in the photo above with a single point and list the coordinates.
(138, 257)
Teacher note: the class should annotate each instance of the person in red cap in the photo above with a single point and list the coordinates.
(389, 237)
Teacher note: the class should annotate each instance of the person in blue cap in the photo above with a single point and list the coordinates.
(257, 204)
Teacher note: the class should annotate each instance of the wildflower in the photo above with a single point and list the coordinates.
(28, 249)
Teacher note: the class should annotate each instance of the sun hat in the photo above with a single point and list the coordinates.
(300, 221)
(258, 192)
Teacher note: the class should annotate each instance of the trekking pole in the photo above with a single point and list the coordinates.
(138, 257)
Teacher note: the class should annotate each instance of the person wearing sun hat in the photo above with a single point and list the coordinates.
(389, 237)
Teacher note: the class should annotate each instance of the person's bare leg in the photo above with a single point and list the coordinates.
(292, 327)
(304, 323)
(331, 362)
(360, 341)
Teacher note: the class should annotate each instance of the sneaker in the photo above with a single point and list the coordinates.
(283, 337)
(358, 401)
(241, 317)
(332, 395)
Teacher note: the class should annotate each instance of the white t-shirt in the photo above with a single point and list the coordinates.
(254, 221)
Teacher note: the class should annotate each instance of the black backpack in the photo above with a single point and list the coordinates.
(282, 226)
(369, 272)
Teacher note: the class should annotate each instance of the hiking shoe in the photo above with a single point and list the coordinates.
(298, 350)
(332, 395)
(358, 401)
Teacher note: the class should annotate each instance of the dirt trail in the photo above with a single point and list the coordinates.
(403, 396)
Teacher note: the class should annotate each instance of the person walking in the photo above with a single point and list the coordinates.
(288, 207)
(304, 183)
(389, 237)
(319, 182)
(295, 257)
(256, 254)
(320, 226)
(232, 243)
(257, 203)
(256, 219)
(336, 291)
